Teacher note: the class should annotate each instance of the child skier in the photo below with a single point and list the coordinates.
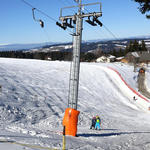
(98, 122)
(134, 98)
(93, 122)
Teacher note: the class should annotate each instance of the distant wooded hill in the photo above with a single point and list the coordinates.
(89, 50)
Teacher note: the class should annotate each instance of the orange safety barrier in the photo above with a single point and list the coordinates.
(70, 121)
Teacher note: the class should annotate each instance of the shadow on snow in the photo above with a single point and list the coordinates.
(108, 134)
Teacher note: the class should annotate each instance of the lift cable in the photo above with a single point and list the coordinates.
(108, 30)
(105, 27)
(51, 18)
(69, 2)
(65, 2)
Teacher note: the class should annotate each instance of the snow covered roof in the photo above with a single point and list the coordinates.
(119, 58)
(111, 57)
(135, 54)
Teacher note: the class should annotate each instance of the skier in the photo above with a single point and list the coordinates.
(134, 98)
(93, 122)
(98, 122)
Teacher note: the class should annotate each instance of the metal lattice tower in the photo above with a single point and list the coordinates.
(77, 20)
(75, 67)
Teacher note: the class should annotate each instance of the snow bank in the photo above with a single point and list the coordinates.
(34, 97)
(142, 101)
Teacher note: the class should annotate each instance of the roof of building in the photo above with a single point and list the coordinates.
(135, 54)
(112, 57)
(143, 56)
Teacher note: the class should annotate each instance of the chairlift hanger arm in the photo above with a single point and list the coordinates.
(34, 14)
(97, 14)
(38, 20)
(81, 5)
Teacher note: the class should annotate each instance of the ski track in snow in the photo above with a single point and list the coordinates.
(35, 94)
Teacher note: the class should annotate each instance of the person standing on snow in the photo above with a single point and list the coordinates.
(93, 122)
(134, 98)
(98, 122)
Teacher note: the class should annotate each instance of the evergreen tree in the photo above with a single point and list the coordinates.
(126, 50)
(130, 48)
(114, 53)
(143, 46)
(120, 53)
(144, 6)
(89, 57)
(135, 46)
(140, 48)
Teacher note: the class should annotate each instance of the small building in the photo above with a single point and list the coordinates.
(124, 60)
(119, 59)
(101, 59)
(48, 58)
(109, 58)
(138, 57)
(132, 57)
(144, 57)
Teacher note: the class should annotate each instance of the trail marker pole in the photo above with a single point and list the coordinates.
(64, 138)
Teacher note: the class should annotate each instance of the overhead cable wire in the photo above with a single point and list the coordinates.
(69, 2)
(108, 30)
(51, 18)
(71, 32)
(62, 2)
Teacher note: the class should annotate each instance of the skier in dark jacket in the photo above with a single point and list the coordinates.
(93, 123)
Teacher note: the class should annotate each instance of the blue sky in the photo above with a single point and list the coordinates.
(121, 17)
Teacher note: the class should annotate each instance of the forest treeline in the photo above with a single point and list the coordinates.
(67, 55)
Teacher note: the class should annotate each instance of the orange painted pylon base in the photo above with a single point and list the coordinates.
(70, 121)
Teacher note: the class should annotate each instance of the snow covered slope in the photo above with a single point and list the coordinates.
(35, 95)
